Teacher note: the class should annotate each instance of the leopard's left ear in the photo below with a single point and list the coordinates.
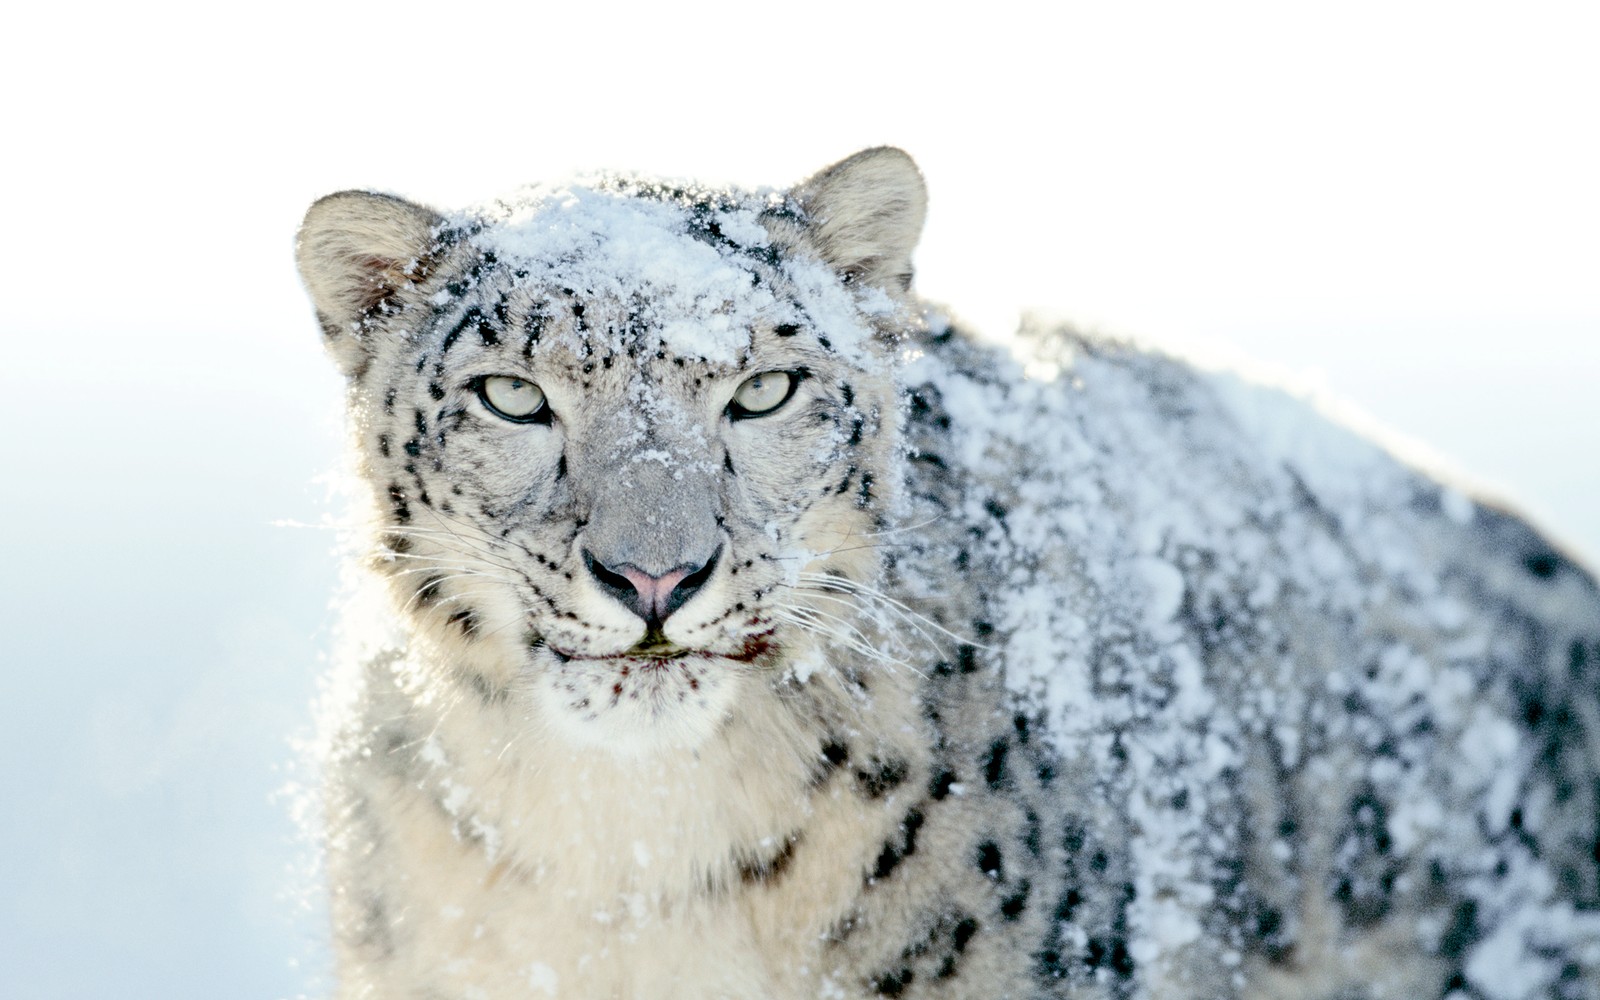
(356, 251)
(865, 214)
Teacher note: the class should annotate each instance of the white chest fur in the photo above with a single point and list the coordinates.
(475, 853)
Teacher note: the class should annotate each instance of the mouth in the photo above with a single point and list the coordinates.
(656, 652)
(649, 694)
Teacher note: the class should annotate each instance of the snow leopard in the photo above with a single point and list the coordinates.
(755, 631)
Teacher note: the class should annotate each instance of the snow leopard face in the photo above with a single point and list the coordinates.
(629, 445)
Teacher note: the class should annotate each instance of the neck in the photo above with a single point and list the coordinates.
(666, 821)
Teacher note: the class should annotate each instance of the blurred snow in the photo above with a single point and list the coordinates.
(1394, 201)
(161, 643)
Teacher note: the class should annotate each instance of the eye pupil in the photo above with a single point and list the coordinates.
(762, 394)
(515, 399)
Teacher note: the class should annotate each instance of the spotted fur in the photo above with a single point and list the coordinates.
(933, 681)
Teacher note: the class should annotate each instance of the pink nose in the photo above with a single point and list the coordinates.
(653, 594)
(650, 596)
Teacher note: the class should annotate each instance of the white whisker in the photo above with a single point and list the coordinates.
(821, 582)
(827, 626)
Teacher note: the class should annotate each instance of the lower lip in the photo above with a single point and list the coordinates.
(753, 649)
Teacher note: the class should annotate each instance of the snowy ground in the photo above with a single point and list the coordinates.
(1401, 200)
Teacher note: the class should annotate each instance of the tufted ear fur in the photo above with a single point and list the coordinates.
(865, 215)
(356, 250)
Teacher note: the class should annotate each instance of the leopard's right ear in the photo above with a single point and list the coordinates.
(866, 214)
(356, 251)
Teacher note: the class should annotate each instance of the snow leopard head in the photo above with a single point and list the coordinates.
(628, 441)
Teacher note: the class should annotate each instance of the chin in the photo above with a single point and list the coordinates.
(629, 705)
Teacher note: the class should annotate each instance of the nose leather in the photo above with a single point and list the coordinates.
(653, 597)
(652, 593)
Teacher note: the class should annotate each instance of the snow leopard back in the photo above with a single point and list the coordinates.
(1327, 727)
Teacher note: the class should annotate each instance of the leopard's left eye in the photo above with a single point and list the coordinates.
(760, 394)
(515, 399)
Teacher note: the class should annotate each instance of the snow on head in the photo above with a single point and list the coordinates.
(695, 268)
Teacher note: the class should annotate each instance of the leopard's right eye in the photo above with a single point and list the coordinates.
(761, 394)
(515, 399)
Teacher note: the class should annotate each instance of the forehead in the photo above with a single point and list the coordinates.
(637, 269)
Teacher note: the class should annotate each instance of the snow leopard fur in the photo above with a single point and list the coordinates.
(757, 633)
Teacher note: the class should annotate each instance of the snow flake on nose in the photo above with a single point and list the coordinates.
(658, 428)
(672, 463)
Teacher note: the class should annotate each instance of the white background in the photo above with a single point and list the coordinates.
(1397, 202)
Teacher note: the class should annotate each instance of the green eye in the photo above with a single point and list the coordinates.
(515, 399)
(761, 394)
